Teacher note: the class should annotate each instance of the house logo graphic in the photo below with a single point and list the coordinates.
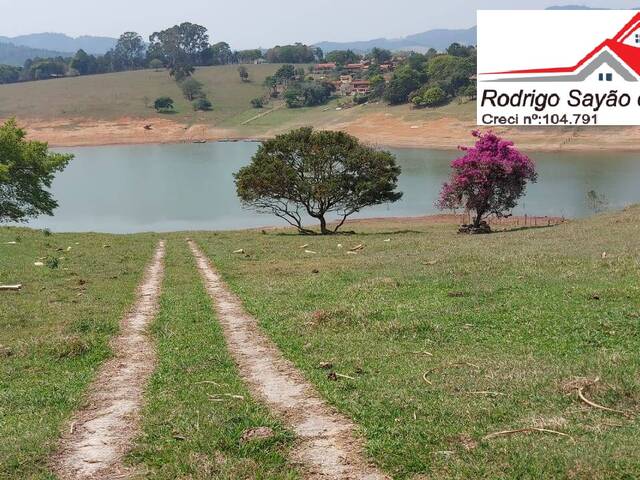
(615, 57)
(601, 87)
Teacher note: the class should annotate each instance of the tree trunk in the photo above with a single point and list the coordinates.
(323, 226)
(478, 219)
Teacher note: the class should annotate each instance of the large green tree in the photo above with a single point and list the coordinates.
(307, 173)
(129, 51)
(405, 81)
(27, 169)
(180, 47)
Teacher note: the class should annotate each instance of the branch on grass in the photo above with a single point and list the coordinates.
(525, 430)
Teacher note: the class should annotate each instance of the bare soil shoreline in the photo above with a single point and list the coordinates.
(378, 128)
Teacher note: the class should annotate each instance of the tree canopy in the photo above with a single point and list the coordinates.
(342, 57)
(488, 179)
(27, 169)
(307, 173)
(180, 47)
(297, 53)
(128, 53)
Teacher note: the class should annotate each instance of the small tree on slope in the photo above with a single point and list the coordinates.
(488, 179)
(26, 172)
(315, 173)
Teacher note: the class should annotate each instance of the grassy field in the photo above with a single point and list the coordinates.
(54, 333)
(192, 427)
(444, 339)
(131, 94)
(451, 338)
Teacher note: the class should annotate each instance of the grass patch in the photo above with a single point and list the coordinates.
(186, 432)
(54, 333)
(522, 314)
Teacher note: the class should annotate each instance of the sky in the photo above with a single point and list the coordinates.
(261, 23)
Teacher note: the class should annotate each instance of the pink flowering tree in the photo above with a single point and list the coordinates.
(488, 179)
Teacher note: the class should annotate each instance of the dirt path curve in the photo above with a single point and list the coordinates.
(326, 447)
(101, 432)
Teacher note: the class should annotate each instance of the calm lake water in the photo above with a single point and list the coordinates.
(125, 189)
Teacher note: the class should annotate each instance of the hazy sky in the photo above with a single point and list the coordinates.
(253, 23)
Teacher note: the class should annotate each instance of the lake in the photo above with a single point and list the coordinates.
(126, 189)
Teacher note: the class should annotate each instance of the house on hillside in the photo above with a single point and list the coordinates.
(357, 67)
(324, 67)
(361, 87)
(617, 58)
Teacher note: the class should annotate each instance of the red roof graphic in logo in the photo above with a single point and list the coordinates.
(625, 45)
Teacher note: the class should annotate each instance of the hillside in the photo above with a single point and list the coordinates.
(63, 43)
(115, 108)
(439, 39)
(16, 55)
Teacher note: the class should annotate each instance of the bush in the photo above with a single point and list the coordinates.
(191, 88)
(257, 102)
(163, 104)
(431, 97)
(202, 104)
(359, 99)
(156, 64)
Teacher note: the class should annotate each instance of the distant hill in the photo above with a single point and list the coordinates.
(439, 39)
(11, 54)
(63, 43)
(420, 42)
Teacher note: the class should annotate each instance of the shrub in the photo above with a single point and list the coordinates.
(191, 88)
(257, 102)
(359, 99)
(202, 104)
(163, 104)
(431, 97)
(156, 64)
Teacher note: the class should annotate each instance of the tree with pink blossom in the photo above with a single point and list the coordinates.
(488, 179)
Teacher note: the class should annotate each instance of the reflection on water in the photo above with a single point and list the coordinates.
(125, 189)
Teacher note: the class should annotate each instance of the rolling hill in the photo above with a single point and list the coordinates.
(16, 55)
(63, 43)
(419, 42)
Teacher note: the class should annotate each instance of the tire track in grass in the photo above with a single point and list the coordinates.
(101, 432)
(326, 446)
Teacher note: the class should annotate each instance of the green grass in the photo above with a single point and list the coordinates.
(131, 94)
(54, 333)
(524, 313)
(534, 310)
(185, 433)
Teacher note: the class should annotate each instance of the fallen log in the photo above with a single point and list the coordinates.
(10, 288)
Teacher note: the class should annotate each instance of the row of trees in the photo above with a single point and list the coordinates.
(180, 48)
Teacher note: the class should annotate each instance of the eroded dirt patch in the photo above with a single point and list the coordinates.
(100, 433)
(326, 446)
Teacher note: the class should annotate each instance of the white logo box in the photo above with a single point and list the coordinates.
(558, 67)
